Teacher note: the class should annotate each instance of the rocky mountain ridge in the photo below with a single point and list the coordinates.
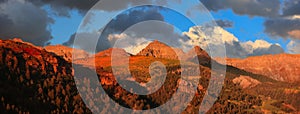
(281, 67)
(160, 50)
(67, 52)
(36, 81)
(33, 78)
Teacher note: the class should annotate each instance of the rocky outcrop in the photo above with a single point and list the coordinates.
(246, 82)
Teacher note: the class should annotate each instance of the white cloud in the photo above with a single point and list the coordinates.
(259, 44)
(294, 47)
(204, 35)
(293, 17)
(251, 46)
(129, 43)
(134, 49)
(261, 47)
(212, 38)
(112, 38)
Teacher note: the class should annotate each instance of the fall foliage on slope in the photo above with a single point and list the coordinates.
(36, 81)
(281, 67)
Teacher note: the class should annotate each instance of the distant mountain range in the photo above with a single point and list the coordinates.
(154, 49)
(160, 50)
(40, 80)
(280, 67)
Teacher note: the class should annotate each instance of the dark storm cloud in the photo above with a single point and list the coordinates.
(291, 7)
(6, 23)
(124, 21)
(62, 6)
(236, 50)
(283, 27)
(28, 20)
(224, 23)
(286, 25)
(24, 20)
(280, 22)
(273, 49)
(145, 22)
(267, 8)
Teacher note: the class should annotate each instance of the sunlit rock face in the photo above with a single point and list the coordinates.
(158, 50)
(246, 82)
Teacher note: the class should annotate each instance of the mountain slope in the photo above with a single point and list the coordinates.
(158, 50)
(36, 81)
(281, 67)
(103, 58)
(201, 55)
(112, 52)
(67, 52)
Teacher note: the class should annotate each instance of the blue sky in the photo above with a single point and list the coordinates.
(177, 19)
(245, 28)
(54, 22)
(64, 27)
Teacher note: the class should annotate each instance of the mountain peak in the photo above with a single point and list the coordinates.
(157, 43)
(17, 40)
(197, 53)
(200, 51)
(108, 52)
(158, 49)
